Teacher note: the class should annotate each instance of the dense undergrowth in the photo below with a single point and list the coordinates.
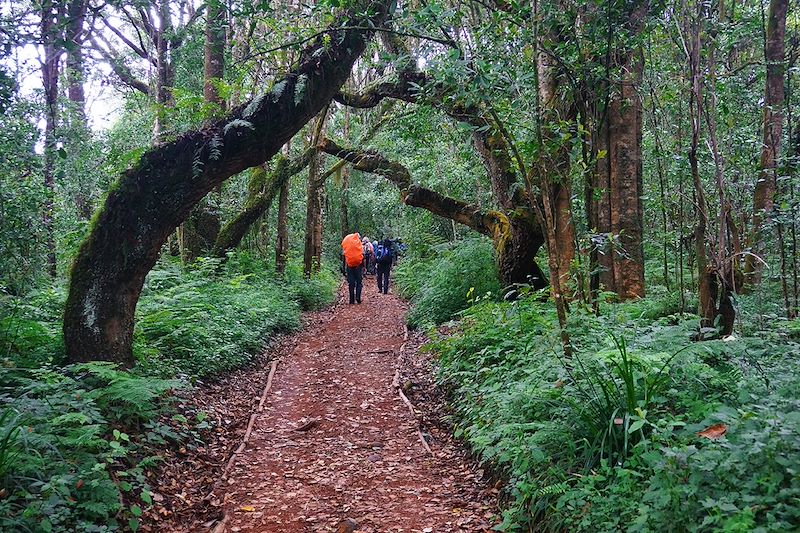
(76, 441)
(441, 280)
(643, 430)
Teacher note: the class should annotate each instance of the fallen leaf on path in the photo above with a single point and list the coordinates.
(311, 424)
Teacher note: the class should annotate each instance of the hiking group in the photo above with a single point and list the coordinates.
(363, 257)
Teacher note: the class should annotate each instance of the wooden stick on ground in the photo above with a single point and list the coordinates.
(407, 402)
(253, 416)
(272, 370)
(396, 385)
(424, 442)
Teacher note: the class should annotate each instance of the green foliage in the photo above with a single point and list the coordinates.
(216, 317)
(609, 440)
(21, 198)
(74, 441)
(445, 283)
(64, 444)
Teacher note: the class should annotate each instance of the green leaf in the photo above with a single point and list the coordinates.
(636, 426)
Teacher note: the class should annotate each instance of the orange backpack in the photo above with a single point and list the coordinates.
(353, 253)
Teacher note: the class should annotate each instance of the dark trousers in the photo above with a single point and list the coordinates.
(354, 283)
(383, 277)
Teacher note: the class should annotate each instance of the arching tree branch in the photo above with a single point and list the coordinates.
(482, 221)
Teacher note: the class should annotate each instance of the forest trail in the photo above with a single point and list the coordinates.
(336, 448)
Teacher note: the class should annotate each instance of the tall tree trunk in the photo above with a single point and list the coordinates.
(282, 242)
(202, 229)
(79, 129)
(315, 205)
(344, 177)
(50, 20)
(214, 52)
(159, 192)
(618, 209)
(707, 286)
(163, 70)
(764, 194)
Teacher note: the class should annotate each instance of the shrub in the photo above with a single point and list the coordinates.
(62, 434)
(443, 285)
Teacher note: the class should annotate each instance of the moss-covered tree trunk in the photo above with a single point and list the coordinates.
(151, 199)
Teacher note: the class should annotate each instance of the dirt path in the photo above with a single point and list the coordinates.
(335, 448)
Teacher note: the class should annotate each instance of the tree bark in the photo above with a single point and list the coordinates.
(315, 205)
(706, 278)
(764, 194)
(618, 206)
(76, 114)
(282, 242)
(344, 178)
(50, 33)
(163, 69)
(214, 52)
(151, 199)
(194, 239)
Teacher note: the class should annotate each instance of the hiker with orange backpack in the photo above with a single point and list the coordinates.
(354, 260)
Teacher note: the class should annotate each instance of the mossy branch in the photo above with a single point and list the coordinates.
(482, 221)
(262, 189)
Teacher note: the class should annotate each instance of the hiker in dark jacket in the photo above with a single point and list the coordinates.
(384, 255)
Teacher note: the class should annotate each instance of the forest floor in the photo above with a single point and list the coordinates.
(327, 439)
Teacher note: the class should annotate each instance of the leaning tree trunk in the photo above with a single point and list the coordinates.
(151, 199)
(764, 194)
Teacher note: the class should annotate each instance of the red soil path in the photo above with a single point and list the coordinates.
(334, 447)
(362, 458)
